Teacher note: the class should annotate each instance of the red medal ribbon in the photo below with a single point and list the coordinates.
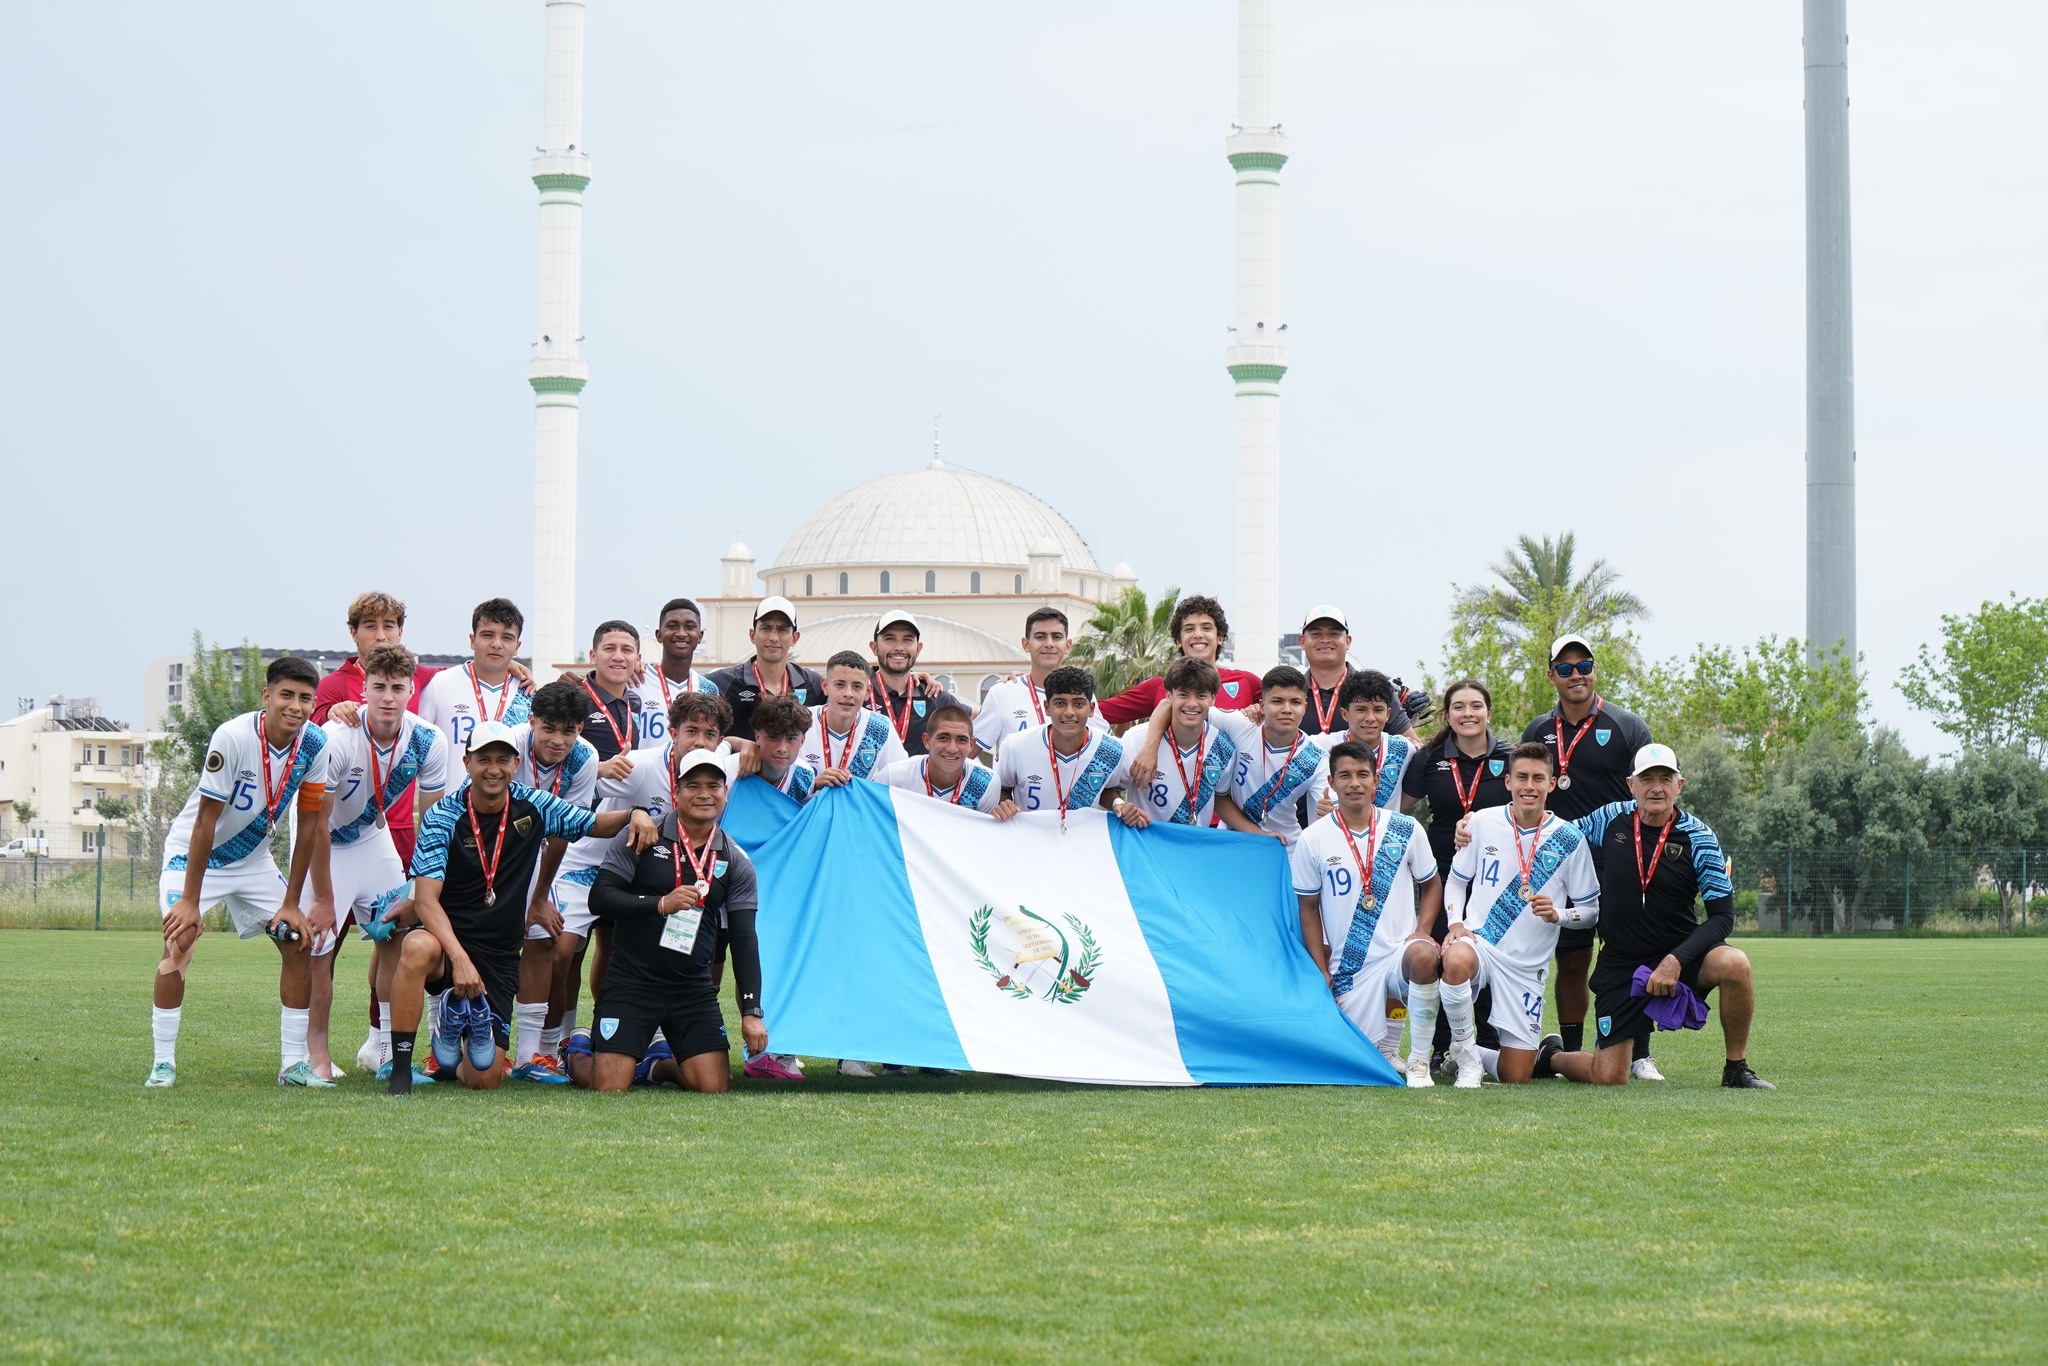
(1193, 791)
(1053, 757)
(1031, 691)
(959, 784)
(477, 690)
(490, 868)
(1326, 717)
(1564, 754)
(273, 800)
(1642, 876)
(376, 779)
(627, 738)
(1465, 799)
(761, 684)
(825, 742)
(1535, 841)
(700, 870)
(879, 691)
(1372, 847)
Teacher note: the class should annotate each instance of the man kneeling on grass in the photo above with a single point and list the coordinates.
(673, 906)
(472, 882)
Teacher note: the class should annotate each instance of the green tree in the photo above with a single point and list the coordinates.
(1501, 632)
(219, 685)
(1760, 702)
(170, 778)
(24, 814)
(1127, 640)
(1995, 802)
(1988, 688)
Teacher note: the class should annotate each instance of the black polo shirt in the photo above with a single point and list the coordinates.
(447, 850)
(1430, 775)
(740, 685)
(907, 712)
(1638, 928)
(1604, 752)
(628, 891)
(1319, 698)
(609, 712)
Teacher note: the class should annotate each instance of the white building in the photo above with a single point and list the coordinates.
(63, 759)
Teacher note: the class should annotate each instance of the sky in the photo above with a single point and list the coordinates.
(272, 281)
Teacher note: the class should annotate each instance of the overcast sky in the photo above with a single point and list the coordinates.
(271, 284)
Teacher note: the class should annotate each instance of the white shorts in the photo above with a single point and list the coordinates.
(365, 874)
(1376, 983)
(572, 899)
(252, 890)
(1517, 1013)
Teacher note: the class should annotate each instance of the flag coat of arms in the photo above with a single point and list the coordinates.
(900, 929)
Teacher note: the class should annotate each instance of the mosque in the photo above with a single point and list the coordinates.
(969, 555)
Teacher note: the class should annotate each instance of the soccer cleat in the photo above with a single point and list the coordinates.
(369, 1055)
(302, 1074)
(1644, 1069)
(448, 1031)
(854, 1067)
(643, 1071)
(1418, 1073)
(334, 1072)
(1441, 1064)
(162, 1075)
(1547, 1050)
(1471, 1071)
(419, 1078)
(541, 1069)
(895, 1069)
(770, 1067)
(480, 1035)
(1737, 1076)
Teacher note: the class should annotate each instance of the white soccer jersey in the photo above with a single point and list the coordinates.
(420, 754)
(796, 782)
(656, 691)
(455, 702)
(1012, 705)
(1166, 798)
(871, 746)
(1025, 766)
(1484, 890)
(1271, 784)
(1395, 752)
(646, 786)
(976, 789)
(1361, 936)
(233, 775)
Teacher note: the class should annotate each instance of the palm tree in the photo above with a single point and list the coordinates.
(1127, 640)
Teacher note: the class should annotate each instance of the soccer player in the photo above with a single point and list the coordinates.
(1367, 700)
(1326, 645)
(472, 874)
(769, 671)
(675, 905)
(1066, 764)
(371, 766)
(1595, 743)
(1368, 892)
(1201, 743)
(218, 851)
(947, 771)
(1279, 774)
(457, 701)
(1655, 862)
(1199, 628)
(781, 725)
(1018, 702)
(1522, 875)
(904, 697)
(614, 725)
(848, 740)
(680, 633)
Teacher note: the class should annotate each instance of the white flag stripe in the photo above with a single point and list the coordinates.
(1120, 1029)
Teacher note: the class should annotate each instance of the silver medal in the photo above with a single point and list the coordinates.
(703, 889)
(490, 897)
(380, 820)
(1564, 781)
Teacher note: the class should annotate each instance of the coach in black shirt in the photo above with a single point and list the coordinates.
(906, 698)
(769, 671)
(1326, 651)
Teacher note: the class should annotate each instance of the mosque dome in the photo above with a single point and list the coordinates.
(937, 515)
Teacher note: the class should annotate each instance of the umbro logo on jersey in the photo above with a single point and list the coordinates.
(659, 850)
(1491, 849)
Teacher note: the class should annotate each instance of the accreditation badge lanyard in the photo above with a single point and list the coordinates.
(273, 799)
(625, 737)
(1528, 860)
(901, 724)
(959, 784)
(1645, 877)
(700, 869)
(490, 865)
(1564, 752)
(1366, 901)
(1193, 790)
(1326, 717)
(477, 690)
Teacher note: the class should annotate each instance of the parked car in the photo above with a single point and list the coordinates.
(31, 847)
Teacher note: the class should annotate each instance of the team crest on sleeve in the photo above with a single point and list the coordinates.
(1600, 735)
(215, 761)
(1230, 688)
(1031, 957)
(1495, 767)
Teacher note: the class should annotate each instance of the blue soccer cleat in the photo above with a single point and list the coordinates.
(643, 1071)
(419, 1078)
(480, 1035)
(448, 1034)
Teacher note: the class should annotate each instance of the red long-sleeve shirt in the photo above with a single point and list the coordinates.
(1235, 692)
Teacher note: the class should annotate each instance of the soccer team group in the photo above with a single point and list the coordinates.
(492, 837)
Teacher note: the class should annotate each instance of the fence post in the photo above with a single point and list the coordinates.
(35, 878)
(1785, 906)
(99, 877)
(1907, 923)
(2023, 891)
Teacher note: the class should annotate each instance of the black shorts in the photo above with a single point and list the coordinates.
(626, 1020)
(1571, 939)
(1619, 1017)
(500, 971)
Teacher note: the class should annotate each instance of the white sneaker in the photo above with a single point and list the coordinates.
(1418, 1072)
(854, 1067)
(1471, 1071)
(1644, 1069)
(369, 1057)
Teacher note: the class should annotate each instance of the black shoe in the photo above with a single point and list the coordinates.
(1548, 1048)
(1440, 1064)
(1738, 1076)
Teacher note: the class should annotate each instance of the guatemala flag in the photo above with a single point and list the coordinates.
(895, 928)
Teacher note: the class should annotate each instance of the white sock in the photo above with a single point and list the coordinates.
(163, 1029)
(1489, 1058)
(569, 1023)
(550, 1040)
(292, 1031)
(1422, 1007)
(1457, 998)
(532, 1017)
(383, 1032)
(1390, 1037)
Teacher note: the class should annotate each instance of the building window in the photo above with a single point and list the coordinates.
(89, 840)
(946, 682)
(176, 692)
(885, 580)
(842, 583)
(103, 756)
(931, 581)
(1019, 584)
(974, 582)
(988, 681)
(177, 673)
(807, 586)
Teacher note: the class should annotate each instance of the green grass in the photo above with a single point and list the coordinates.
(1886, 1204)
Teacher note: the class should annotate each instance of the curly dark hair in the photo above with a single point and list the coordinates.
(1198, 605)
(705, 706)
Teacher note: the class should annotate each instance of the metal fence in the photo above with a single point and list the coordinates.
(100, 893)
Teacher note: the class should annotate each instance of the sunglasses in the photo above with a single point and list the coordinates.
(1583, 668)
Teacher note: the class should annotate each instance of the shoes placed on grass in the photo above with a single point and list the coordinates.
(643, 1071)
(302, 1074)
(1418, 1073)
(419, 1078)
(162, 1075)
(895, 1069)
(1644, 1069)
(854, 1067)
(468, 1026)
(770, 1067)
(1471, 1071)
(541, 1069)
(447, 1034)
(1737, 1076)
(370, 1054)
(1442, 1064)
(939, 1071)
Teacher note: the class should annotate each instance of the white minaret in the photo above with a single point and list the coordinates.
(1256, 360)
(557, 371)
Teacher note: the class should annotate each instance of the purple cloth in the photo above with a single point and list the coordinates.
(1680, 1010)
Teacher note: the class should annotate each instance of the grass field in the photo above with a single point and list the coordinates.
(1887, 1204)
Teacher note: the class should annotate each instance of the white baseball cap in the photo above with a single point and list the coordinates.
(1565, 642)
(722, 759)
(491, 733)
(776, 604)
(889, 619)
(1325, 611)
(1655, 756)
